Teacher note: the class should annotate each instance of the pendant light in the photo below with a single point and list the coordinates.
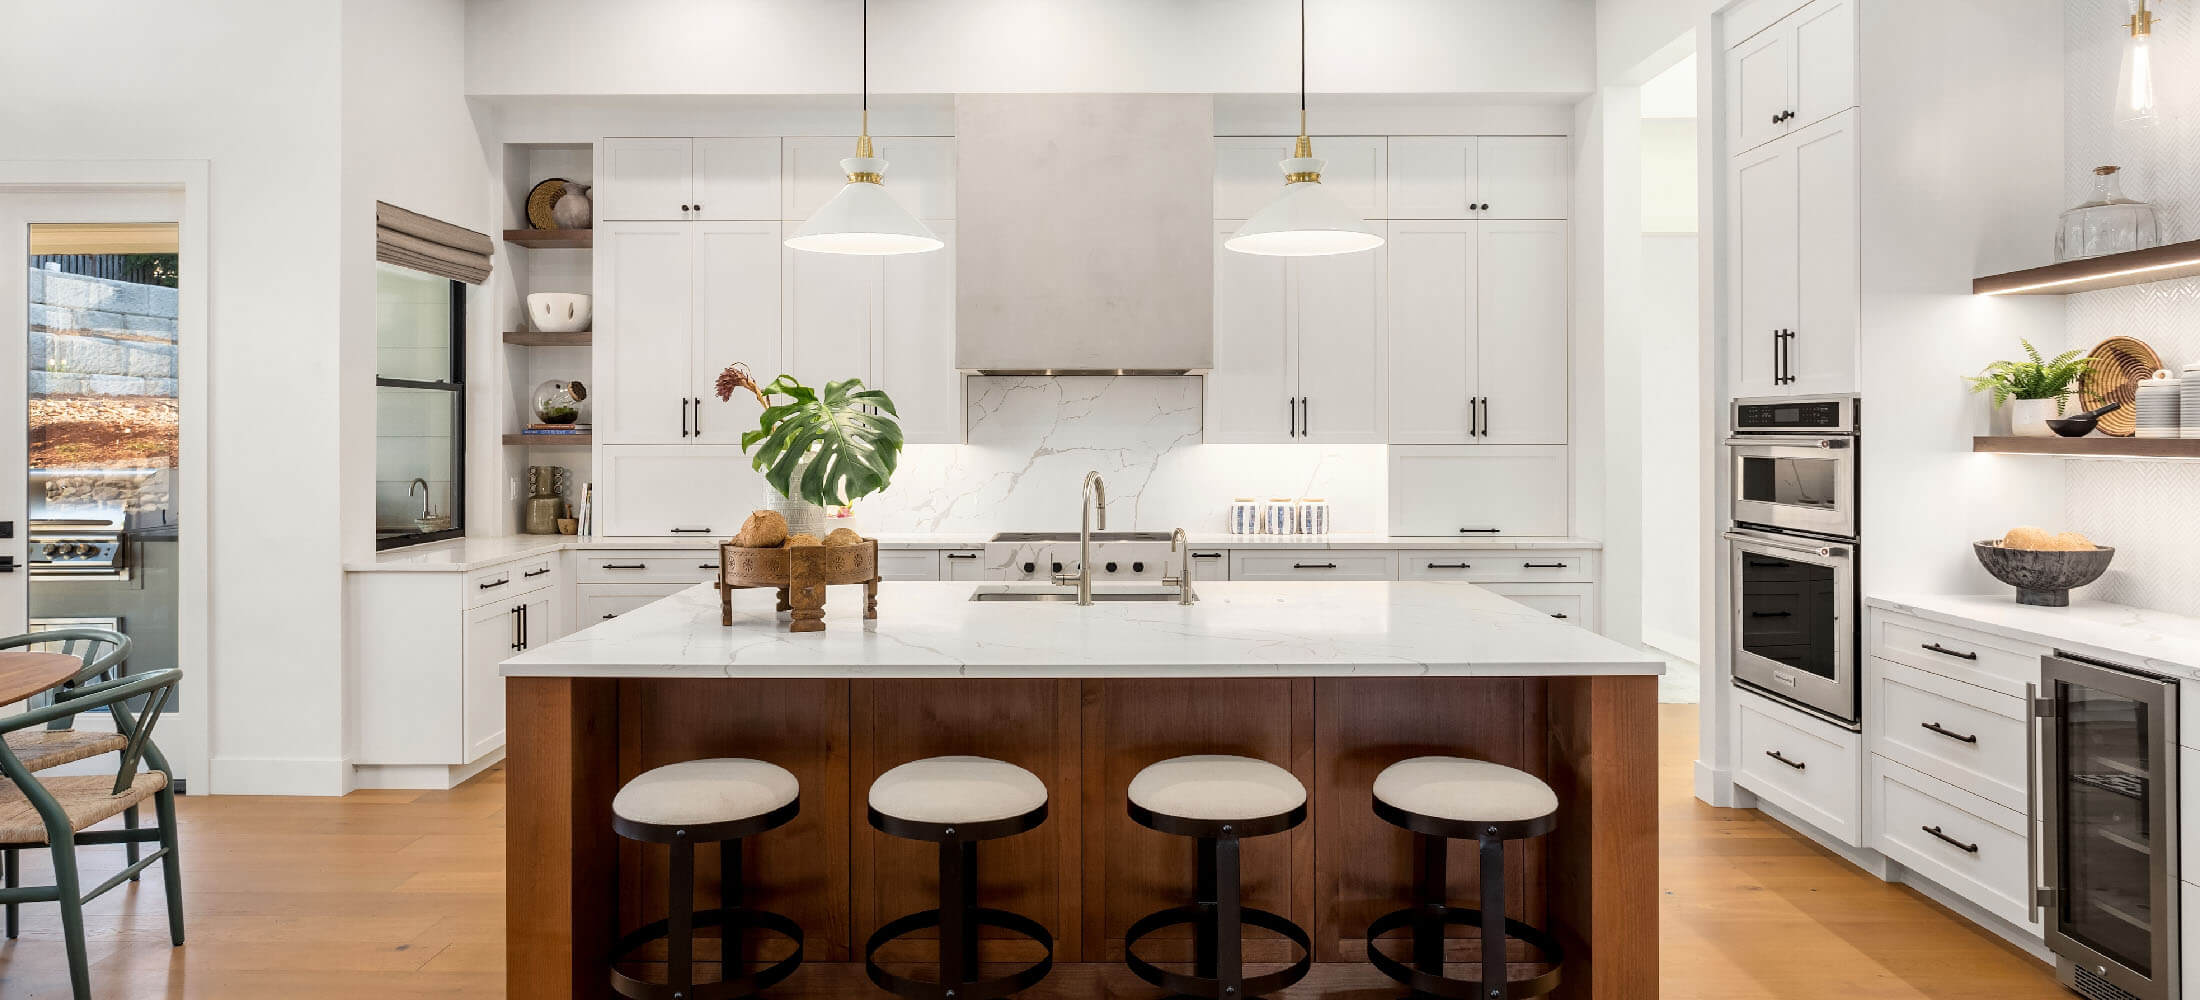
(1306, 220)
(2135, 90)
(863, 218)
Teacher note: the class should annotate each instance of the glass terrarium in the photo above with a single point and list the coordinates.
(2108, 222)
(559, 402)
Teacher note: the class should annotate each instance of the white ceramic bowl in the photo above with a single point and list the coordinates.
(560, 312)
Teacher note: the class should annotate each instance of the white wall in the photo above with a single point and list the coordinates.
(1673, 428)
(1631, 31)
(250, 86)
(1009, 46)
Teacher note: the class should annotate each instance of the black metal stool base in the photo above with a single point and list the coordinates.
(979, 989)
(1201, 916)
(732, 988)
(1462, 989)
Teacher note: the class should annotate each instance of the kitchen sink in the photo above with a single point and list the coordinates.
(1068, 595)
(1071, 536)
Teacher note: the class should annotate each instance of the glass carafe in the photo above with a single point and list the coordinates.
(2108, 222)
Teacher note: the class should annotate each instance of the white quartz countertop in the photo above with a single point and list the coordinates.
(1376, 629)
(2150, 640)
(465, 555)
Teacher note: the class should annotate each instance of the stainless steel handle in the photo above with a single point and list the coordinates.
(1951, 734)
(1784, 545)
(2031, 799)
(1775, 441)
(493, 584)
(1945, 651)
(1782, 758)
(1950, 841)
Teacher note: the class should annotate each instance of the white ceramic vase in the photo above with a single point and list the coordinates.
(803, 517)
(2029, 417)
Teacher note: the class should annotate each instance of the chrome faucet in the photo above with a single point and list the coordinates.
(1095, 496)
(1183, 580)
(420, 486)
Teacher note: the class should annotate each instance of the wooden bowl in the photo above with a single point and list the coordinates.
(800, 574)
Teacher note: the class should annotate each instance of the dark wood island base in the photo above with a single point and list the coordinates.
(1089, 871)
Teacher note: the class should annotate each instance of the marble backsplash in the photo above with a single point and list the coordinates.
(1032, 440)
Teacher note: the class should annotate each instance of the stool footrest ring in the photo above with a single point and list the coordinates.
(726, 989)
(1201, 986)
(1463, 989)
(986, 989)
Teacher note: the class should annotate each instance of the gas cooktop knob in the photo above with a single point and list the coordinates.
(1030, 568)
(1057, 567)
(1111, 567)
(1138, 567)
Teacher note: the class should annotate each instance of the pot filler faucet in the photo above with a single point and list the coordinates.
(1095, 496)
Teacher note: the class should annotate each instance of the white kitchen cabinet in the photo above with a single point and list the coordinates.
(604, 601)
(495, 633)
(1298, 348)
(966, 564)
(677, 302)
(1794, 74)
(1810, 769)
(1249, 175)
(1452, 177)
(920, 173)
(1476, 491)
(1478, 310)
(669, 180)
(1573, 603)
(1258, 563)
(909, 564)
(1797, 286)
(889, 321)
(690, 491)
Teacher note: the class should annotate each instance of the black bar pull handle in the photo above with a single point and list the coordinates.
(684, 407)
(691, 531)
(1950, 841)
(1314, 565)
(626, 565)
(1451, 565)
(531, 574)
(1481, 531)
(1958, 737)
(493, 584)
(1945, 651)
(1556, 565)
(962, 555)
(1782, 758)
(1206, 555)
(1772, 614)
(1306, 416)
(1291, 414)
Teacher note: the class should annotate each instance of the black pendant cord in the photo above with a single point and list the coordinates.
(1302, 64)
(867, 60)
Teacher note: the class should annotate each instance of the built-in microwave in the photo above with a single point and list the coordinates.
(1795, 465)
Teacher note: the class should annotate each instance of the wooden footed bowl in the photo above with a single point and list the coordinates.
(800, 574)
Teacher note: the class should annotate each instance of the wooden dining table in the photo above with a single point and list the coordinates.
(26, 674)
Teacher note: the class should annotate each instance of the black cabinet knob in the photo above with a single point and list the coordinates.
(1111, 567)
(1030, 568)
(1138, 567)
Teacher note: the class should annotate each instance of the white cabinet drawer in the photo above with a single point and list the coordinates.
(1968, 736)
(673, 566)
(1478, 491)
(1805, 767)
(1570, 602)
(1988, 661)
(1311, 564)
(679, 491)
(499, 582)
(600, 602)
(1480, 565)
(909, 564)
(1210, 564)
(1963, 843)
(966, 564)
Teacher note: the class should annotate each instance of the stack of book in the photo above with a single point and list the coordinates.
(558, 429)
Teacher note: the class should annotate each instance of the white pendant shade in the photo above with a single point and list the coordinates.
(1306, 220)
(863, 218)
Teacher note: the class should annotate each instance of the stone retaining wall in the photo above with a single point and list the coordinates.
(100, 337)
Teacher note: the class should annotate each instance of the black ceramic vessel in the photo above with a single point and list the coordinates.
(2043, 578)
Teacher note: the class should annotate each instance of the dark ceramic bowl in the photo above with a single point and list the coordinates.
(2043, 578)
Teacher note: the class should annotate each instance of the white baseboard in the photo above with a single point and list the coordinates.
(422, 777)
(277, 776)
(1716, 788)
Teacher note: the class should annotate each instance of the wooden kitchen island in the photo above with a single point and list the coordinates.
(1334, 681)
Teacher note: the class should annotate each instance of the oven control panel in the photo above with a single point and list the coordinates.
(73, 550)
(1836, 415)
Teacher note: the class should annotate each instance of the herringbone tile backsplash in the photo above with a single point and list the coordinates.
(2149, 510)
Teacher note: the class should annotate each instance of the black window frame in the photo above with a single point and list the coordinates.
(455, 384)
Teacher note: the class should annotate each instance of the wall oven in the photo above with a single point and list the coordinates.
(1795, 465)
(1794, 627)
(2108, 763)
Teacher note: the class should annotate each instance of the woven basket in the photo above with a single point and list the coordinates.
(541, 200)
(2115, 378)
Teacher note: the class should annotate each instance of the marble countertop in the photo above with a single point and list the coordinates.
(1378, 629)
(2150, 640)
(465, 555)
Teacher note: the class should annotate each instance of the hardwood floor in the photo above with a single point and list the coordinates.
(401, 894)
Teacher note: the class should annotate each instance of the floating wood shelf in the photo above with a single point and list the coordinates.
(531, 338)
(551, 440)
(551, 239)
(2091, 447)
(2178, 260)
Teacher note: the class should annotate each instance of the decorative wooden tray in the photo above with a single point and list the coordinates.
(801, 575)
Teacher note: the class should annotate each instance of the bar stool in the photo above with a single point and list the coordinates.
(956, 802)
(1218, 800)
(722, 800)
(1440, 799)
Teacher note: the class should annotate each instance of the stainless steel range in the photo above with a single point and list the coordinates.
(79, 544)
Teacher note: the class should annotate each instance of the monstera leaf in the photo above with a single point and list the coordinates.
(825, 448)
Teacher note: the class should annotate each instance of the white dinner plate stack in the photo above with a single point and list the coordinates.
(2191, 401)
(2160, 408)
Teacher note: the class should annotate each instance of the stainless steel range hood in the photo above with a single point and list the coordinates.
(1084, 229)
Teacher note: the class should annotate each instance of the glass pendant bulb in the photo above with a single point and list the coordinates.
(2135, 82)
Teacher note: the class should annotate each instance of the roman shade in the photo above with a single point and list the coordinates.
(410, 239)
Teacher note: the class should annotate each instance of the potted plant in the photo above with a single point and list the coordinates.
(817, 448)
(2035, 390)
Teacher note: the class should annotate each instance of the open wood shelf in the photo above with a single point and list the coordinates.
(551, 239)
(551, 440)
(2177, 260)
(531, 338)
(2091, 447)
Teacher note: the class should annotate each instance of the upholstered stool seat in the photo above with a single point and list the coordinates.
(721, 800)
(1217, 801)
(956, 802)
(1440, 799)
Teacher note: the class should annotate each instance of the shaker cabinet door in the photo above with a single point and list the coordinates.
(1337, 324)
(1825, 61)
(492, 636)
(646, 180)
(1759, 73)
(832, 307)
(645, 305)
(1433, 177)
(736, 319)
(1822, 355)
(1764, 268)
(913, 357)
(1525, 177)
(1478, 492)
(1432, 316)
(1252, 392)
(737, 179)
(1521, 343)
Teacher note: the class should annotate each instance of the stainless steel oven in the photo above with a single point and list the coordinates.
(1795, 464)
(1794, 627)
(2108, 762)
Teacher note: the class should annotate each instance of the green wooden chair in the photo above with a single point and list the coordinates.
(103, 654)
(57, 813)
